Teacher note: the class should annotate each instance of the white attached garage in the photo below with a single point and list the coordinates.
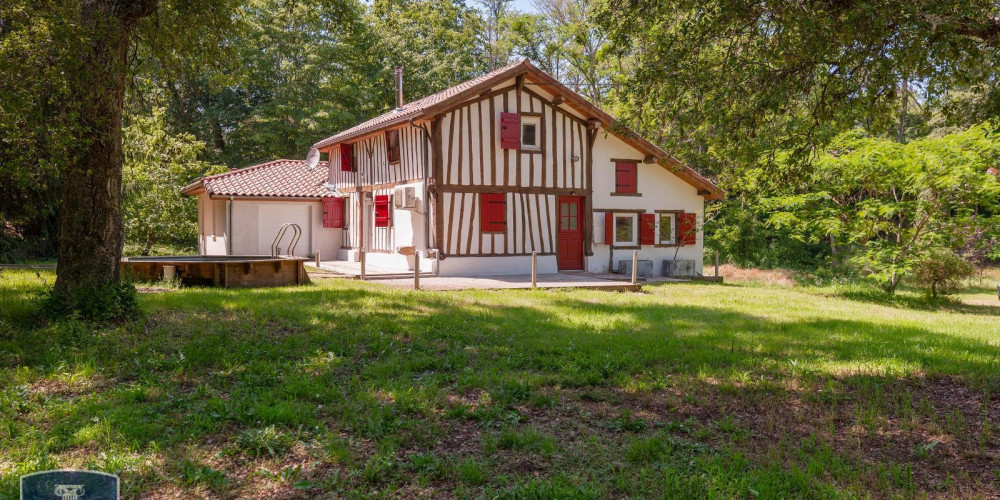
(257, 223)
(240, 212)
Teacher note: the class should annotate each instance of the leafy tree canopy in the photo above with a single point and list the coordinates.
(886, 205)
(156, 163)
(736, 81)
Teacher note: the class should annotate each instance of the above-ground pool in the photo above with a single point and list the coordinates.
(226, 271)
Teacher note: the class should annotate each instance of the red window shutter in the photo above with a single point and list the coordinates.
(647, 229)
(510, 130)
(326, 211)
(688, 228)
(333, 212)
(337, 213)
(609, 228)
(626, 180)
(346, 165)
(382, 214)
(493, 212)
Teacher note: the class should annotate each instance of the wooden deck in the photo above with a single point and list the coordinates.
(228, 271)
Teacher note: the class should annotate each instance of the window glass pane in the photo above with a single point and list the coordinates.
(392, 145)
(572, 223)
(666, 228)
(624, 229)
(528, 134)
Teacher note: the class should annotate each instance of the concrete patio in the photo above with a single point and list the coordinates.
(608, 282)
(404, 279)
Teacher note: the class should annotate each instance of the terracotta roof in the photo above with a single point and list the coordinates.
(274, 179)
(434, 104)
(994, 171)
(415, 108)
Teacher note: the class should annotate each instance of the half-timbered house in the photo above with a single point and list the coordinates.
(478, 177)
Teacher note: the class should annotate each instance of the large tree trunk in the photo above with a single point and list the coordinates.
(91, 226)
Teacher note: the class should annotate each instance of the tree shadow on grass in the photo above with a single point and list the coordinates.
(378, 362)
(916, 300)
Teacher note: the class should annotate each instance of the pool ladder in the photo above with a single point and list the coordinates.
(296, 234)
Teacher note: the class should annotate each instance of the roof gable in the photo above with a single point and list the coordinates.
(434, 104)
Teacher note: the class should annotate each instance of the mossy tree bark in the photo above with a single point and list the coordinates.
(91, 226)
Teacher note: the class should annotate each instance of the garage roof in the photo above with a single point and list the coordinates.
(274, 179)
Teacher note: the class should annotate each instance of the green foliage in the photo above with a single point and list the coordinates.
(740, 232)
(37, 132)
(736, 81)
(942, 272)
(95, 302)
(885, 204)
(157, 164)
(575, 47)
(434, 40)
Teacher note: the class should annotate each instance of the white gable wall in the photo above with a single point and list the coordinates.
(660, 189)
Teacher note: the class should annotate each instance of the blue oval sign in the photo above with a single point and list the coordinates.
(69, 485)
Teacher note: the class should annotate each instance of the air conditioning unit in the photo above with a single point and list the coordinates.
(405, 198)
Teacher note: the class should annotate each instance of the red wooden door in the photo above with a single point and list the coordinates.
(570, 255)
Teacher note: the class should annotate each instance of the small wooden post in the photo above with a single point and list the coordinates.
(635, 266)
(716, 263)
(362, 264)
(416, 271)
(534, 269)
(316, 253)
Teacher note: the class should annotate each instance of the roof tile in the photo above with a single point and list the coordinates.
(274, 179)
(414, 108)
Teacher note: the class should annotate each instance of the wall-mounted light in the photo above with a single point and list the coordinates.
(575, 158)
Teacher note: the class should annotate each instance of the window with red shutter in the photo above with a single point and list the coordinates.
(493, 212)
(510, 131)
(647, 229)
(383, 214)
(688, 228)
(626, 178)
(609, 228)
(346, 158)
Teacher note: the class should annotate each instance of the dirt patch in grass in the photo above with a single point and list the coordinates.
(939, 428)
(781, 277)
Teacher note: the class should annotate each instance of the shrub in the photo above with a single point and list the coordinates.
(942, 272)
(99, 302)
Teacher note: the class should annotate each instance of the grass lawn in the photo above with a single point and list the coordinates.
(347, 389)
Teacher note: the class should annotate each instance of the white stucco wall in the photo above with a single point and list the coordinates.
(495, 266)
(212, 230)
(255, 223)
(660, 189)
